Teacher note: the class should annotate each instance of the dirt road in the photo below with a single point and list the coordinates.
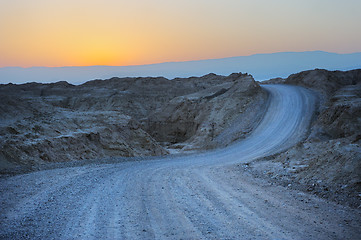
(200, 196)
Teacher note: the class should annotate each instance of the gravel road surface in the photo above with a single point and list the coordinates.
(199, 196)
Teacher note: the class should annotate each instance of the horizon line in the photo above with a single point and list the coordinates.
(204, 59)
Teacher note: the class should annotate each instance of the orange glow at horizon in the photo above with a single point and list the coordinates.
(110, 32)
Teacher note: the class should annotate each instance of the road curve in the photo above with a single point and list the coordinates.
(200, 196)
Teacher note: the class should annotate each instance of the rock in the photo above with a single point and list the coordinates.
(125, 117)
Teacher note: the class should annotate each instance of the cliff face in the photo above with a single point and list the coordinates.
(120, 117)
(213, 117)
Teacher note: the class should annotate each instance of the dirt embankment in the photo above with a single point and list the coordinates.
(213, 117)
(59, 122)
(328, 162)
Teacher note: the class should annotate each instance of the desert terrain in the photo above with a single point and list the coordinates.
(129, 117)
(212, 157)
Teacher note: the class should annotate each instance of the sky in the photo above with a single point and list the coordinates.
(57, 33)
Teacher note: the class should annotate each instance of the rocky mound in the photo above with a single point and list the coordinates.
(213, 117)
(328, 162)
(59, 122)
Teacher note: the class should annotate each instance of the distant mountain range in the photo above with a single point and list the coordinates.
(261, 66)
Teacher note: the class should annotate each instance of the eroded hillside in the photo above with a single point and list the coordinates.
(60, 122)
